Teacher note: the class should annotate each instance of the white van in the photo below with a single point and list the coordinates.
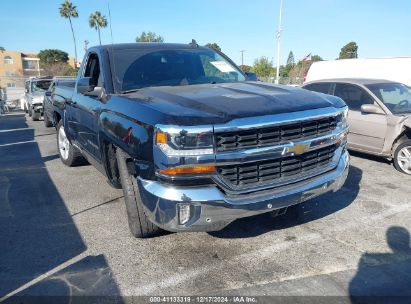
(396, 69)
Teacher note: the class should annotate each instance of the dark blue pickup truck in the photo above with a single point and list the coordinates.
(193, 144)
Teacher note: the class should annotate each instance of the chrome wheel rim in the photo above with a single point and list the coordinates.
(404, 159)
(64, 144)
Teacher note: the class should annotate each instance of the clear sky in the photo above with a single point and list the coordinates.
(380, 27)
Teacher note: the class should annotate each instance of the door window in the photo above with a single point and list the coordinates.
(353, 96)
(93, 70)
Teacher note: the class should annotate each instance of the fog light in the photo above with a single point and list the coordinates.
(184, 213)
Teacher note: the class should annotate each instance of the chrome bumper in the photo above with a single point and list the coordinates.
(212, 210)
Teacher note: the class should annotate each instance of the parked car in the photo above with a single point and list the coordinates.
(192, 143)
(251, 76)
(395, 69)
(34, 97)
(379, 116)
(54, 98)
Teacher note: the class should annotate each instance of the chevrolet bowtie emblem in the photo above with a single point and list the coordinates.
(299, 149)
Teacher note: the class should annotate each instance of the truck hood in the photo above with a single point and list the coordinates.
(220, 103)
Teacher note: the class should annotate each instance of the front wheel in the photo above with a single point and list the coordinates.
(402, 157)
(69, 155)
(140, 225)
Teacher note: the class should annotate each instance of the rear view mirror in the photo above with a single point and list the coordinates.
(371, 109)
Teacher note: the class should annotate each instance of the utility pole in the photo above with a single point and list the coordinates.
(277, 78)
(242, 57)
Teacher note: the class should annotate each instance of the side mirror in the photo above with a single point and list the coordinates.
(85, 85)
(48, 93)
(371, 109)
(26, 90)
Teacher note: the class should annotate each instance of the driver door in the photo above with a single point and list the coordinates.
(367, 131)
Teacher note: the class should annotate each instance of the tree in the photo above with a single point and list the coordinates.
(300, 69)
(2, 49)
(149, 37)
(214, 46)
(68, 11)
(51, 56)
(290, 59)
(97, 21)
(58, 69)
(350, 50)
(263, 67)
(246, 68)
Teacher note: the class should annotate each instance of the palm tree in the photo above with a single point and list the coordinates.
(68, 11)
(97, 20)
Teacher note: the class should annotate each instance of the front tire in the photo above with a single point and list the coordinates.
(140, 225)
(69, 155)
(402, 157)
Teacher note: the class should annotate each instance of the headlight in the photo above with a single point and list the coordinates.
(342, 122)
(185, 141)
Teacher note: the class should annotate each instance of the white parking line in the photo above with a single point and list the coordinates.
(26, 142)
(15, 130)
(44, 276)
(18, 143)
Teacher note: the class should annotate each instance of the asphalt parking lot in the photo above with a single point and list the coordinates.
(64, 231)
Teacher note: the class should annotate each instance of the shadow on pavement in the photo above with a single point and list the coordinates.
(385, 277)
(37, 233)
(303, 213)
(370, 157)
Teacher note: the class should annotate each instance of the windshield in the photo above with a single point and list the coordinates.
(40, 85)
(396, 96)
(135, 69)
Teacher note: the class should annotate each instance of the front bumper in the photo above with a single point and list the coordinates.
(212, 210)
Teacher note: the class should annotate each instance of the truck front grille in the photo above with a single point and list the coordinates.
(261, 172)
(259, 137)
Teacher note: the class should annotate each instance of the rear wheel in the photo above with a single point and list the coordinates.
(402, 157)
(69, 155)
(140, 225)
(35, 116)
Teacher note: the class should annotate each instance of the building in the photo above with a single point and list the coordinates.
(17, 66)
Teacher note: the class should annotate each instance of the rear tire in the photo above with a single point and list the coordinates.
(402, 157)
(69, 155)
(35, 116)
(140, 225)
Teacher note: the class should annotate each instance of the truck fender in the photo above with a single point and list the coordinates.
(132, 136)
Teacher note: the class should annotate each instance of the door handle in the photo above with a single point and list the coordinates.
(70, 102)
